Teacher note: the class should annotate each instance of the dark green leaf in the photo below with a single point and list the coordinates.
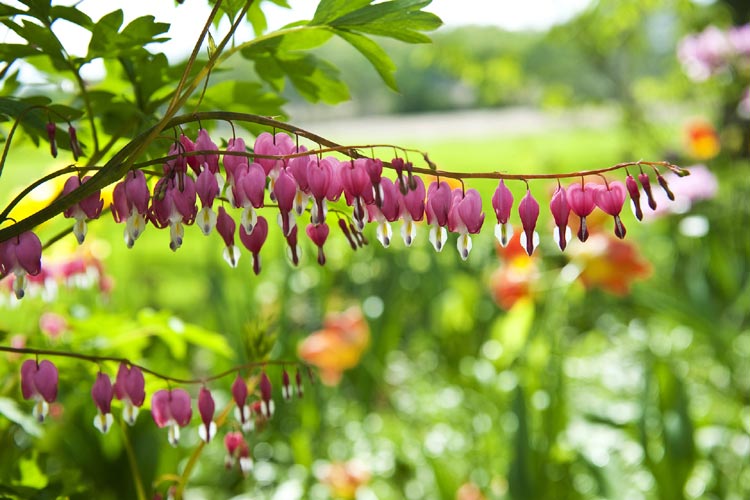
(9, 52)
(38, 8)
(374, 53)
(7, 11)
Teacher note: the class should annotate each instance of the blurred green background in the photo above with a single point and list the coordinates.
(615, 370)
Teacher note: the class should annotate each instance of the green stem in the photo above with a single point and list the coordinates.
(133, 462)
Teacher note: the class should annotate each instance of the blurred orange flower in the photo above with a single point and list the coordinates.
(702, 140)
(469, 491)
(338, 346)
(609, 263)
(344, 478)
(515, 277)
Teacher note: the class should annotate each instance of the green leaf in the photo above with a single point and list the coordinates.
(399, 19)
(257, 19)
(328, 10)
(142, 30)
(238, 95)
(71, 14)
(374, 53)
(41, 39)
(104, 34)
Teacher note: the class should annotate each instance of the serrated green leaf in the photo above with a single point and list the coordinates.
(328, 10)
(374, 53)
(71, 14)
(399, 19)
(104, 34)
(142, 31)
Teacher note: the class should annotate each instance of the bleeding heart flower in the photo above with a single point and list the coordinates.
(610, 199)
(88, 208)
(39, 382)
(254, 242)
(171, 409)
(102, 393)
(528, 209)
(129, 388)
(560, 212)
(20, 256)
(502, 202)
(582, 201)
(206, 408)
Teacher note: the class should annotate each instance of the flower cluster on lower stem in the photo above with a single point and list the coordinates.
(170, 408)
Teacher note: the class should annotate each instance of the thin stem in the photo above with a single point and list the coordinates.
(133, 462)
(167, 378)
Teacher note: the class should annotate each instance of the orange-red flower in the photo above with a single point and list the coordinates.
(702, 140)
(338, 346)
(344, 478)
(609, 263)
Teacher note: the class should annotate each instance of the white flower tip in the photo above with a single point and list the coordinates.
(103, 422)
(173, 434)
(246, 464)
(464, 245)
(80, 229)
(129, 414)
(503, 233)
(232, 255)
(207, 433)
(41, 408)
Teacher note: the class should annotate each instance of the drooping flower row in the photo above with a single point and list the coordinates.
(296, 182)
(170, 408)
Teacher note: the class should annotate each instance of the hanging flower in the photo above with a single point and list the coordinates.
(206, 408)
(502, 202)
(39, 382)
(102, 393)
(528, 209)
(129, 388)
(21, 256)
(238, 452)
(171, 409)
(88, 208)
(130, 204)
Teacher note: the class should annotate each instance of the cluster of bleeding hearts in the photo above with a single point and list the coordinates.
(297, 183)
(170, 408)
